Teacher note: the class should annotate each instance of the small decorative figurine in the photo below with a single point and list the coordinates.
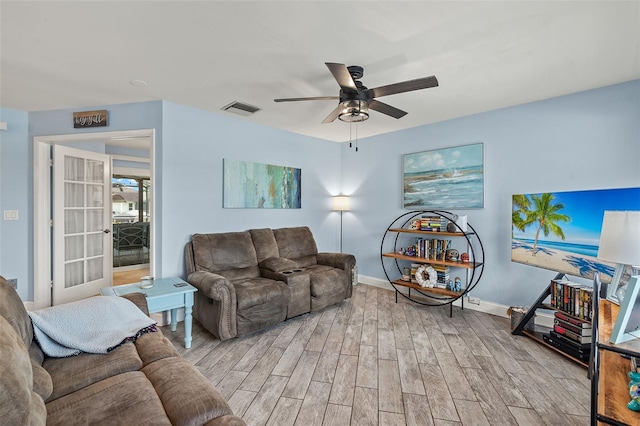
(449, 285)
(634, 391)
(451, 227)
(402, 251)
(464, 257)
(411, 251)
(452, 255)
(457, 284)
(415, 224)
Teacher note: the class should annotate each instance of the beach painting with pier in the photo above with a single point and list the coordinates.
(560, 231)
(442, 179)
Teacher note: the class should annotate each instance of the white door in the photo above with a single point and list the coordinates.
(82, 241)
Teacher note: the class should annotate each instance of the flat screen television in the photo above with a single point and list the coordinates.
(560, 231)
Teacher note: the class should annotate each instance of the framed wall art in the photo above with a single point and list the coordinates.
(263, 186)
(561, 231)
(447, 178)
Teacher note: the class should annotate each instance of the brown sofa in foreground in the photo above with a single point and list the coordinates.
(253, 279)
(141, 383)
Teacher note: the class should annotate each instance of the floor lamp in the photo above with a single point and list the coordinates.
(341, 203)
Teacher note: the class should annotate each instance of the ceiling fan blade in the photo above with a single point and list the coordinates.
(316, 98)
(342, 76)
(386, 109)
(405, 86)
(331, 117)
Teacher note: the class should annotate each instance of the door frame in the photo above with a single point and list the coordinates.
(42, 238)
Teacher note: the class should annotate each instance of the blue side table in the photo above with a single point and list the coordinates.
(167, 294)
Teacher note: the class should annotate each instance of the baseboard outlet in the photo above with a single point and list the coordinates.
(484, 306)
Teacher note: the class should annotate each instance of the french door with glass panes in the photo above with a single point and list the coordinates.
(82, 240)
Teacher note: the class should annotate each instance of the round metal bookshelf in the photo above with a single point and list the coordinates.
(394, 261)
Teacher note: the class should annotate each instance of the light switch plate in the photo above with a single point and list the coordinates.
(11, 215)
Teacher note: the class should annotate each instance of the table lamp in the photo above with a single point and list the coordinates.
(620, 243)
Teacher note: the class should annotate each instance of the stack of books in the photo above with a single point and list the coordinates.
(570, 335)
(443, 275)
(433, 223)
(432, 249)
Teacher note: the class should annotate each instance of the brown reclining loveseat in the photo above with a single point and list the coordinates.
(253, 279)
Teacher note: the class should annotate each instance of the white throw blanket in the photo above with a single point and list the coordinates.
(91, 325)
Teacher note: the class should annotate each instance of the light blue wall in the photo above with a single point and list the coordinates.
(16, 183)
(190, 146)
(134, 116)
(588, 140)
(195, 143)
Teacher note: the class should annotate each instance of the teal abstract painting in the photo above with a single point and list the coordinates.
(248, 185)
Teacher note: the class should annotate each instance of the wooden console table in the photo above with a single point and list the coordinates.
(609, 381)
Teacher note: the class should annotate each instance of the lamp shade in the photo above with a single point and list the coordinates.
(620, 237)
(341, 203)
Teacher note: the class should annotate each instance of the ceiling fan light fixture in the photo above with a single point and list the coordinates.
(353, 111)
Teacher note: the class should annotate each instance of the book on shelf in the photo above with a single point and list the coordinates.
(580, 353)
(571, 320)
(580, 331)
(578, 341)
(571, 335)
(433, 223)
(433, 249)
(443, 272)
(572, 298)
(561, 340)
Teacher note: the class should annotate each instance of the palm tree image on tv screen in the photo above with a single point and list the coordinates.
(560, 231)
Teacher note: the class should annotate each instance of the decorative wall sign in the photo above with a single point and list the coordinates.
(263, 186)
(449, 178)
(85, 119)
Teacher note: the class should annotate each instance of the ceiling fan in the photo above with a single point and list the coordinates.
(355, 99)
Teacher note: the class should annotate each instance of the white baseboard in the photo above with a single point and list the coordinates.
(485, 306)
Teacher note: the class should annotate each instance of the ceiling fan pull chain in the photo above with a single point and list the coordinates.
(356, 137)
(350, 137)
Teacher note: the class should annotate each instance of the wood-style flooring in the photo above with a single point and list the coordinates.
(371, 361)
(129, 276)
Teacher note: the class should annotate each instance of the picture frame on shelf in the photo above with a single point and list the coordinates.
(627, 325)
(619, 283)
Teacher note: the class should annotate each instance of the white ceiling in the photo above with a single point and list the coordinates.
(486, 55)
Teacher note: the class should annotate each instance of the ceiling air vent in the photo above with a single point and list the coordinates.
(241, 108)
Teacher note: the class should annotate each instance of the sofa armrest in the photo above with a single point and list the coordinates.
(343, 261)
(215, 303)
(212, 285)
(139, 300)
(277, 264)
